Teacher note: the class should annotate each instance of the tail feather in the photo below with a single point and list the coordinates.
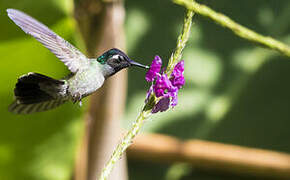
(35, 92)
(36, 107)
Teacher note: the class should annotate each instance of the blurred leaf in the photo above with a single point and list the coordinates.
(235, 92)
(41, 145)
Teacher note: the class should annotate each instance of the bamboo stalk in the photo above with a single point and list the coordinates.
(211, 155)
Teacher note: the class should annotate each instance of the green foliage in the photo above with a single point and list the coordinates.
(39, 146)
(235, 92)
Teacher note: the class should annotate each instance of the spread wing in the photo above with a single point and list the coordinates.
(66, 52)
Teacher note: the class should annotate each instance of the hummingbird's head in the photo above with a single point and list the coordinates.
(117, 60)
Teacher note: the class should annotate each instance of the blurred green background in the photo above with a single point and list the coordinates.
(235, 92)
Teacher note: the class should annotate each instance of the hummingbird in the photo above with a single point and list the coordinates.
(35, 92)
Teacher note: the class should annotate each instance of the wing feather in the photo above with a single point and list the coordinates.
(66, 52)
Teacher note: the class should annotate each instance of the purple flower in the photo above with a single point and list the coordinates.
(174, 99)
(154, 69)
(164, 88)
(177, 78)
(162, 105)
(149, 93)
(179, 66)
(162, 85)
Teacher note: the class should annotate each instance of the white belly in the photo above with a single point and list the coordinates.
(85, 82)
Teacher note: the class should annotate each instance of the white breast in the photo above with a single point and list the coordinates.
(86, 81)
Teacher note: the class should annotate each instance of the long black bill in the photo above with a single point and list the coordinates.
(133, 63)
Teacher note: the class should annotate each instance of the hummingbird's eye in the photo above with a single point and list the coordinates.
(121, 58)
(117, 60)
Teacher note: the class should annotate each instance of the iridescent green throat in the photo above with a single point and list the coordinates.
(101, 59)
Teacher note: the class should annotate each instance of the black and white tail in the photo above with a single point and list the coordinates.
(35, 93)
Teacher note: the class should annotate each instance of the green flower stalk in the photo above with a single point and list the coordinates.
(236, 28)
(125, 143)
(151, 101)
(181, 42)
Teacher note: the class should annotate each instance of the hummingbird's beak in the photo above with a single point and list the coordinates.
(133, 63)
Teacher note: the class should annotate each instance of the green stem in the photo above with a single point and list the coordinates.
(236, 28)
(146, 111)
(181, 42)
(125, 143)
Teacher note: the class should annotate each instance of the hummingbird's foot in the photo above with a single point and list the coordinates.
(80, 103)
(77, 98)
